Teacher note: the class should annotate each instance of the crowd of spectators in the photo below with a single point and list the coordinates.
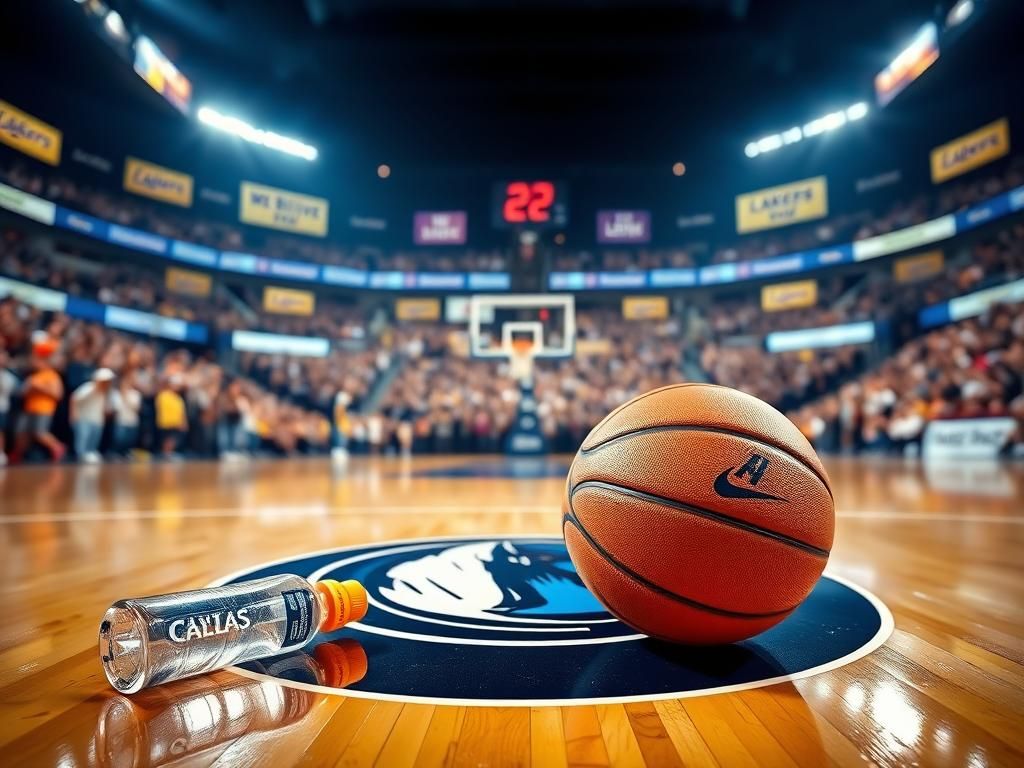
(65, 382)
(70, 382)
(163, 220)
(444, 402)
(868, 222)
(100, 277)
(621, 260)
(974, 368)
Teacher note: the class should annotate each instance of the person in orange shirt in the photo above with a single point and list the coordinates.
(41, 392)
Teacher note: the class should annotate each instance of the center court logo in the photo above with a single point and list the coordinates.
(495, 591)
(502, 620)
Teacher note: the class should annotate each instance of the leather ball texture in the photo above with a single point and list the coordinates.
(698, 514)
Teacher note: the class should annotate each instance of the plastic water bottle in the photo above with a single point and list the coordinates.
(154, 640)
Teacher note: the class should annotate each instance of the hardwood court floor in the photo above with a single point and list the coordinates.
(941, 546)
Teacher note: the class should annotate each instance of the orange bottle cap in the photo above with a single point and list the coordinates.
(345, 601)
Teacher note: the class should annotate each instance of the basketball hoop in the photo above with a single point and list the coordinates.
(520, 356)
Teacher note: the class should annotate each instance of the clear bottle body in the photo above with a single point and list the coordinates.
(153, 640)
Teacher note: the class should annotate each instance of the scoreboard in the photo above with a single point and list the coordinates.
(529, 204)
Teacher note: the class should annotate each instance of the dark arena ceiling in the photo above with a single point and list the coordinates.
(558, 83)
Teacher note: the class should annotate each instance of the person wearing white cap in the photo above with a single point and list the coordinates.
(90, 404)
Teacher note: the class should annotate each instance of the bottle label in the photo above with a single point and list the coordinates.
(298, 608)
(198, 626)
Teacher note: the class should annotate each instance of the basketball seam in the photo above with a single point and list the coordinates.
(708, 514)
(714, 430)
(688, 601)
(652, 635)
(641, 397)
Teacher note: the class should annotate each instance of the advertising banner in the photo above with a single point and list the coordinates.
(418, 309)
(645, 307)
(971, 151)
(288, 301)
(821, 338)
(619, 227)
(40, 298)
(909, 65)
(906, 238)
(27, 134)
(157, 182)
(188, 282)
(274, 343)
(783, 205)
(163, 77)
(27, 205)
(275, 208)
(439, 227)
(795, 295)
(966, 438)
(918, 267)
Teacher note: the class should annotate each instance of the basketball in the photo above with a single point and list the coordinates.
(698, 514)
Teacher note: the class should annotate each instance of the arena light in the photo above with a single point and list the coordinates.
(269, 139)
(857, 111)
(792, 136)
(829, 122)
(114, 25)
(959, 13)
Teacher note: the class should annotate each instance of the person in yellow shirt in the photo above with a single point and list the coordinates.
(171, 417)
(341, 426)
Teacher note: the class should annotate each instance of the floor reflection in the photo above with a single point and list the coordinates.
(197, 717)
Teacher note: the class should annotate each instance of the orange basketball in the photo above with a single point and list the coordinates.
(698, 514)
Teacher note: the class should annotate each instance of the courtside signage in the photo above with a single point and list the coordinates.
(974, 150)
(30, 135)
(783, 205)
(159, 183)
(276, 208)
(967, 438)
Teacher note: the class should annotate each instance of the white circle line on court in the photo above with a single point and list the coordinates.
(885, 629)
(271, 513)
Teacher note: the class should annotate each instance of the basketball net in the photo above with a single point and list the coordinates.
(520, 356)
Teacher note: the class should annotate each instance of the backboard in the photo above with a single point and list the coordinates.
(500, 326)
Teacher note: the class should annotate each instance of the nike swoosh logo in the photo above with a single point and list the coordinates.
(727, 490)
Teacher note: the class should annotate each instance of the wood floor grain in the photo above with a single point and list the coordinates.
(941, 547)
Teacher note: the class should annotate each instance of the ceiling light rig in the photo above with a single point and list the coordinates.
(823, 124)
